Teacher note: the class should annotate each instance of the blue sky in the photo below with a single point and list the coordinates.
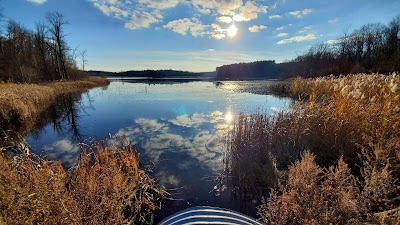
(121, 35)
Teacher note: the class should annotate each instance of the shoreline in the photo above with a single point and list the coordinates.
(20, 104)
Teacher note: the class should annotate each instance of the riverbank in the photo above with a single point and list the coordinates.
(333, 158)
(22, 103)
(106, 185)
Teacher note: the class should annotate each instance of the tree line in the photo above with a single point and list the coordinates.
(30, 56)
(255, 70)
(147, 73)
(374, 47)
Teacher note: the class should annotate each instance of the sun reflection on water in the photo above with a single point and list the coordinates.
(228, 117)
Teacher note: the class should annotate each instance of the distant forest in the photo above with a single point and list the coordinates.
(371, 48)
(148, 73)
(31, 56)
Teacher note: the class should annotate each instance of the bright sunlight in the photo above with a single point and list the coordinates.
(232, 31)
(228, 117)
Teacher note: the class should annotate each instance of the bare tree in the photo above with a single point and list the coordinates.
(84, 60)
(42, 51)
(56, 23)
(18, 44)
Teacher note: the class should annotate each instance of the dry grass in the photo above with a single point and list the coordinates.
(314, 196)
(105, 187)
(355, 118)
(78, 85)
(21, 103)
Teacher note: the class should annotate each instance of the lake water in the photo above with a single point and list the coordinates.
(179, 129)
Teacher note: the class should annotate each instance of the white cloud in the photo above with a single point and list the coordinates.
(256, 28)
(216, 117)
(63, 150)
(225, 7)
(186, 121)
(134, 17)
(307, 37)
(37, 1)
(228, 8)
(140, 20)
(283, 27)
(164, 141)
(225, 19)
(218, 32)
(111, 10)
(301, 14)
(188, 26)
(149, 125)
(159, 4)
(333, 21)
(206, 146)
(144, 13)
(125, 136)
(249, 11)
(275, 17)
(218, 35)
(167, 180)
(282, 35)
(306, 29)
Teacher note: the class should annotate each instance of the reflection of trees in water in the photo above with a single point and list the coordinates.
(218, 84)
(160, 81)
(64, 115)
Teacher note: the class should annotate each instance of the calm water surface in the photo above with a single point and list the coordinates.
(179, 129)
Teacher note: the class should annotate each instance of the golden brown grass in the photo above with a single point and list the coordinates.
(21, 103)
(352, 119)
(313, 195)
(105, 187)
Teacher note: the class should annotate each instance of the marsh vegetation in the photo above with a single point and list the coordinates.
(106, 186)
(332, 158)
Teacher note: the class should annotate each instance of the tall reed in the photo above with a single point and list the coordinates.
(352, 120)
(105, 187)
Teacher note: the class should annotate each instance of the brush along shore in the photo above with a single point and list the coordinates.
(21, 103)
(332, 159)
(106, 186)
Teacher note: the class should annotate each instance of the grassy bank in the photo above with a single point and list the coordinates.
(21, 103)
(105, 187)
(334, 158)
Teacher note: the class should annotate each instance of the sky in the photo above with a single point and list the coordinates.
(198, 35)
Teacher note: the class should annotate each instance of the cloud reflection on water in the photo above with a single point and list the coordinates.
(186, 121)
(63, 150)
(150, 125)
(201, 137)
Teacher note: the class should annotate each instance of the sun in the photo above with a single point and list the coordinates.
(232, 31)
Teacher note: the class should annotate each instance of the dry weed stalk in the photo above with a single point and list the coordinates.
(105, 187)
(314, 196)
(352, 122)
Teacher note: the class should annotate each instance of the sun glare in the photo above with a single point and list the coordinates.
(228, 117)
(232, 31)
